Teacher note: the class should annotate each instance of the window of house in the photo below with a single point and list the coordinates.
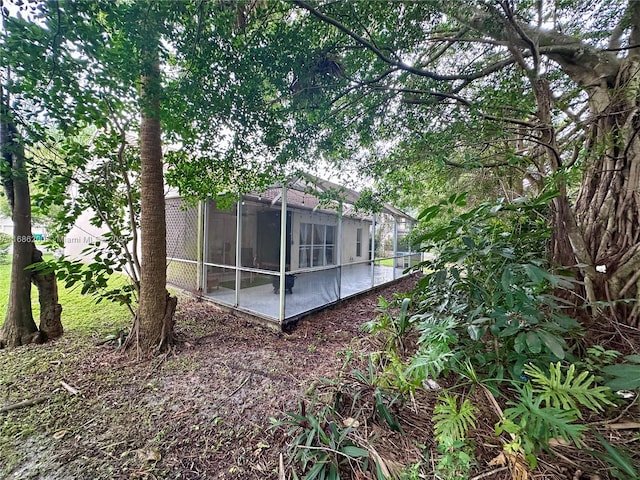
(358, 242)
(317, 245)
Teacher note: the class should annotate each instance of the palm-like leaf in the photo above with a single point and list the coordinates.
(567, 394)
(541, 423)
(453, 424)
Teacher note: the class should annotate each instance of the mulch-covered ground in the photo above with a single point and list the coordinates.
(205, 409)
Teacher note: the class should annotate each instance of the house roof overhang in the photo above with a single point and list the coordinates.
(308, 192)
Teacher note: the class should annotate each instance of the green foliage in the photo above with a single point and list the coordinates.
(93, 279)
(535, 425)
(394, 327)
(437, 347)
(575, 390)
(622, 465)
(451, 428)
(321, 448)
(452, 424)
(80, 313)
(5, 210)
(366, 387)
(598, 357)
(624, 376)
(455, 462)
(485, 310)
(5, 243)
(548, 407)
(412, 472)
(487, 292)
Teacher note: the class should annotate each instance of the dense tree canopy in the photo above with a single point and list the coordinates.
(541, 92)
(538, 93)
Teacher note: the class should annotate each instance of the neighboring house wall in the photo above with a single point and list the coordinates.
(308, 218)
(81, 235)
(348, 241)
(6, 225)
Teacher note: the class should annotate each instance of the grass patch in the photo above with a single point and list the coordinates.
(79, 312)
(385, 262)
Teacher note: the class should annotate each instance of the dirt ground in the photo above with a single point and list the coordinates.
(202, 411)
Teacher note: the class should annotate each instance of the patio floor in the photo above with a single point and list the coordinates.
(312, 290)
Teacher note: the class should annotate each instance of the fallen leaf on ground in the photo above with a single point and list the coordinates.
(149, 454)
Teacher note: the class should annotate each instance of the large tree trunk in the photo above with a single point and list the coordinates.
(608, 204)
(50, 310)
(154, 323)
(599, 235)
(19, 327)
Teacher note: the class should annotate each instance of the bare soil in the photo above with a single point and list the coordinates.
(205, 409)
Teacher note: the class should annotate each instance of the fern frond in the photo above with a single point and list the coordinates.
(567, 394)
(429, 362)
(451, 423)
(434, 330)
(540, 424)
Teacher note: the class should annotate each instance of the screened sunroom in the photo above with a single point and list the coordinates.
(287, 251)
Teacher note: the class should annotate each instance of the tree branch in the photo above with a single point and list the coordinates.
(583, 63)
(458, 99)
(396, 63)
(22, 404)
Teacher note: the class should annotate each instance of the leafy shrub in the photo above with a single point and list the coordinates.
(624, 376)
(547, 407)
(394, 326)
(452, 424)
(486, 310)
(451, 429)
(94, 278)
(364, 388)
(322, 448)
(487, 294)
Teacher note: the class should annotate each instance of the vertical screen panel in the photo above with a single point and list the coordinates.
(260, 293)
(220, 237)
(182, 230)
(182, 274)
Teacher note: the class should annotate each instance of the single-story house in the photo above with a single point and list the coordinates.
(236, 256)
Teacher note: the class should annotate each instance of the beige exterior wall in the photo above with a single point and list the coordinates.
(349, 233)
(81, 235)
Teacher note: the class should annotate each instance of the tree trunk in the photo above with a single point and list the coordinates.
(50, 310)
(19, 327)
(154, 322)
(608, 205)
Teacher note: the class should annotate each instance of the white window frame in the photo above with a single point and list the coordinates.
(307, 261)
